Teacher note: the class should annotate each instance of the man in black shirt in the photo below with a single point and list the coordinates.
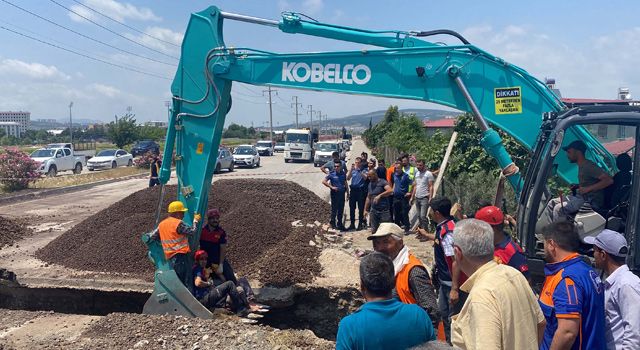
(376, 204)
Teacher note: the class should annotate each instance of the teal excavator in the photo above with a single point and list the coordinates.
(396, 64)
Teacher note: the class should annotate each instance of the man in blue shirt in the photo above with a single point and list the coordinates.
(383, 322)
(358, 177)
(572, 297)
(401, 195)
(336, 180)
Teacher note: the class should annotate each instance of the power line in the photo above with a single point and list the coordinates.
(85, 56)
(256, 94)
(123, 24)
(85, 36)
(111, 31)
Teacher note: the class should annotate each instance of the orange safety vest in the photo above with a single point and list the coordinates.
(172, 242)
(402, 280)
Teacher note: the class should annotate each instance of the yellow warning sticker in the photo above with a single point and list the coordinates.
(508, 100)
(200, 148)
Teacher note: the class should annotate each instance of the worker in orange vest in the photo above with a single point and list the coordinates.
(173, 235)
(413, 284)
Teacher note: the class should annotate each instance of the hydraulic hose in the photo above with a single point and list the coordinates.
(444, 32)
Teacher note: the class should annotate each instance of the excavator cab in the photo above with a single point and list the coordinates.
(617, 128)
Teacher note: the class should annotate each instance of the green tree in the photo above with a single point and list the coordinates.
(124, 132)
(236, 131)
(152, 133)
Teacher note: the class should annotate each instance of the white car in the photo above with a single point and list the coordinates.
(265, 148)
(247, 156)
(110, 159)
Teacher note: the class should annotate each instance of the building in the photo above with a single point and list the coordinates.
(11, 128)
(444, 126)
(22, 118)
(157, 124)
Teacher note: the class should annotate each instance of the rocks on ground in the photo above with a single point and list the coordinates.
(256, 214)
(12, 231)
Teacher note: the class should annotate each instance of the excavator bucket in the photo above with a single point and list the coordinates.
(170, 295)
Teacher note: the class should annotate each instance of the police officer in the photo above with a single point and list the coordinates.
(336, 180)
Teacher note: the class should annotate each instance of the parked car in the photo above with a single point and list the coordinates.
(324, 150)
(265, 148)
(110, 159)
(144, 146)
(224, 161)
(53, 160)
(246, 155)
(279, 147)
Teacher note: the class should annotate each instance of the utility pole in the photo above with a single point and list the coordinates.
(319, 114)
(310, 111)
(270, 91)
(70, 124)
(296, 104)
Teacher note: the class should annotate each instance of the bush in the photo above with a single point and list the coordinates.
(17, 170)
(144, 161)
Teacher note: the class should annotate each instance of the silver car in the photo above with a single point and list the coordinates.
(224, 161)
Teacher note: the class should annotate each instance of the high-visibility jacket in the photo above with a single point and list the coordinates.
(172, 242)
(402, 280)
(412, 175)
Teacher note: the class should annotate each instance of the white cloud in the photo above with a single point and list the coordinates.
(165, 35)
(284, 5)
(120, 11)
(32, 70)
(592, 68)
(312, 7)
(106, 90)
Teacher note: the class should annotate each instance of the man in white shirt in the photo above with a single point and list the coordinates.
(622, 290)
(422, 192)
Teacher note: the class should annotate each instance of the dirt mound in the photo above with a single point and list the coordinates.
(256, 214)
(12, 231)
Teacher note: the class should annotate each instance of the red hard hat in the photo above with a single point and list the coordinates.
(201, 254)
(213, 212)
(491, 215)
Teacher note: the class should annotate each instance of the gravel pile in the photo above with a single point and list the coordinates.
(133, 331)
(256, 214)
(12, 231)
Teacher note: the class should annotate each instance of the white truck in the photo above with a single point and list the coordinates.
(54, 159)
(298, 145)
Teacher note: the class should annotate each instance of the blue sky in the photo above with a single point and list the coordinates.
(590, 47)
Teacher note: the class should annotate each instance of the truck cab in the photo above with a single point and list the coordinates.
(298, 145)
(324, 150)
(620, 211)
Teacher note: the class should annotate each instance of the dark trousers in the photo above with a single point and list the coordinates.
(154, 182)
(337, 208)
(356, 197)
(217, 296)
(401, 212)
(227, 272)
(180, 264)
(376, 217)
(390, 199)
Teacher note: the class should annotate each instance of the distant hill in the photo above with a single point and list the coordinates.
(362, 120)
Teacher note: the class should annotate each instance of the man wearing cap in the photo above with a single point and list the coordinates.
(506, 251)
(413, 284)
(173, 235)
(572, 297)
(383, 322)
(621, 290)
(501, 311)
(213, 240)
(592, 181)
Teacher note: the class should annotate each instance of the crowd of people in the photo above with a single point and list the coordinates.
(479, 294)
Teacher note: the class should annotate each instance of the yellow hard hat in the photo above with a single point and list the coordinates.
(176, 206)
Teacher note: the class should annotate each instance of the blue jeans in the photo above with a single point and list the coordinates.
(445, 308)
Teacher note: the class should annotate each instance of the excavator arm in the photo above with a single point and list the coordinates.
(395, 64)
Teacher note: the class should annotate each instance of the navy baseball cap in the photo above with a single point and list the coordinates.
(577, 145)
(610, 241)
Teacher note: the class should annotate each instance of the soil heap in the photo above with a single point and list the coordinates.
(12, 231)
(256, 214)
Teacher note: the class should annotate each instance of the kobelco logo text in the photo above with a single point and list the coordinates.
(329, 73)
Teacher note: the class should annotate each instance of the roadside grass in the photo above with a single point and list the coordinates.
(81, 179)
(236, 141)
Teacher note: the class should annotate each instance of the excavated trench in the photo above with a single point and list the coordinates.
(318, 309)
